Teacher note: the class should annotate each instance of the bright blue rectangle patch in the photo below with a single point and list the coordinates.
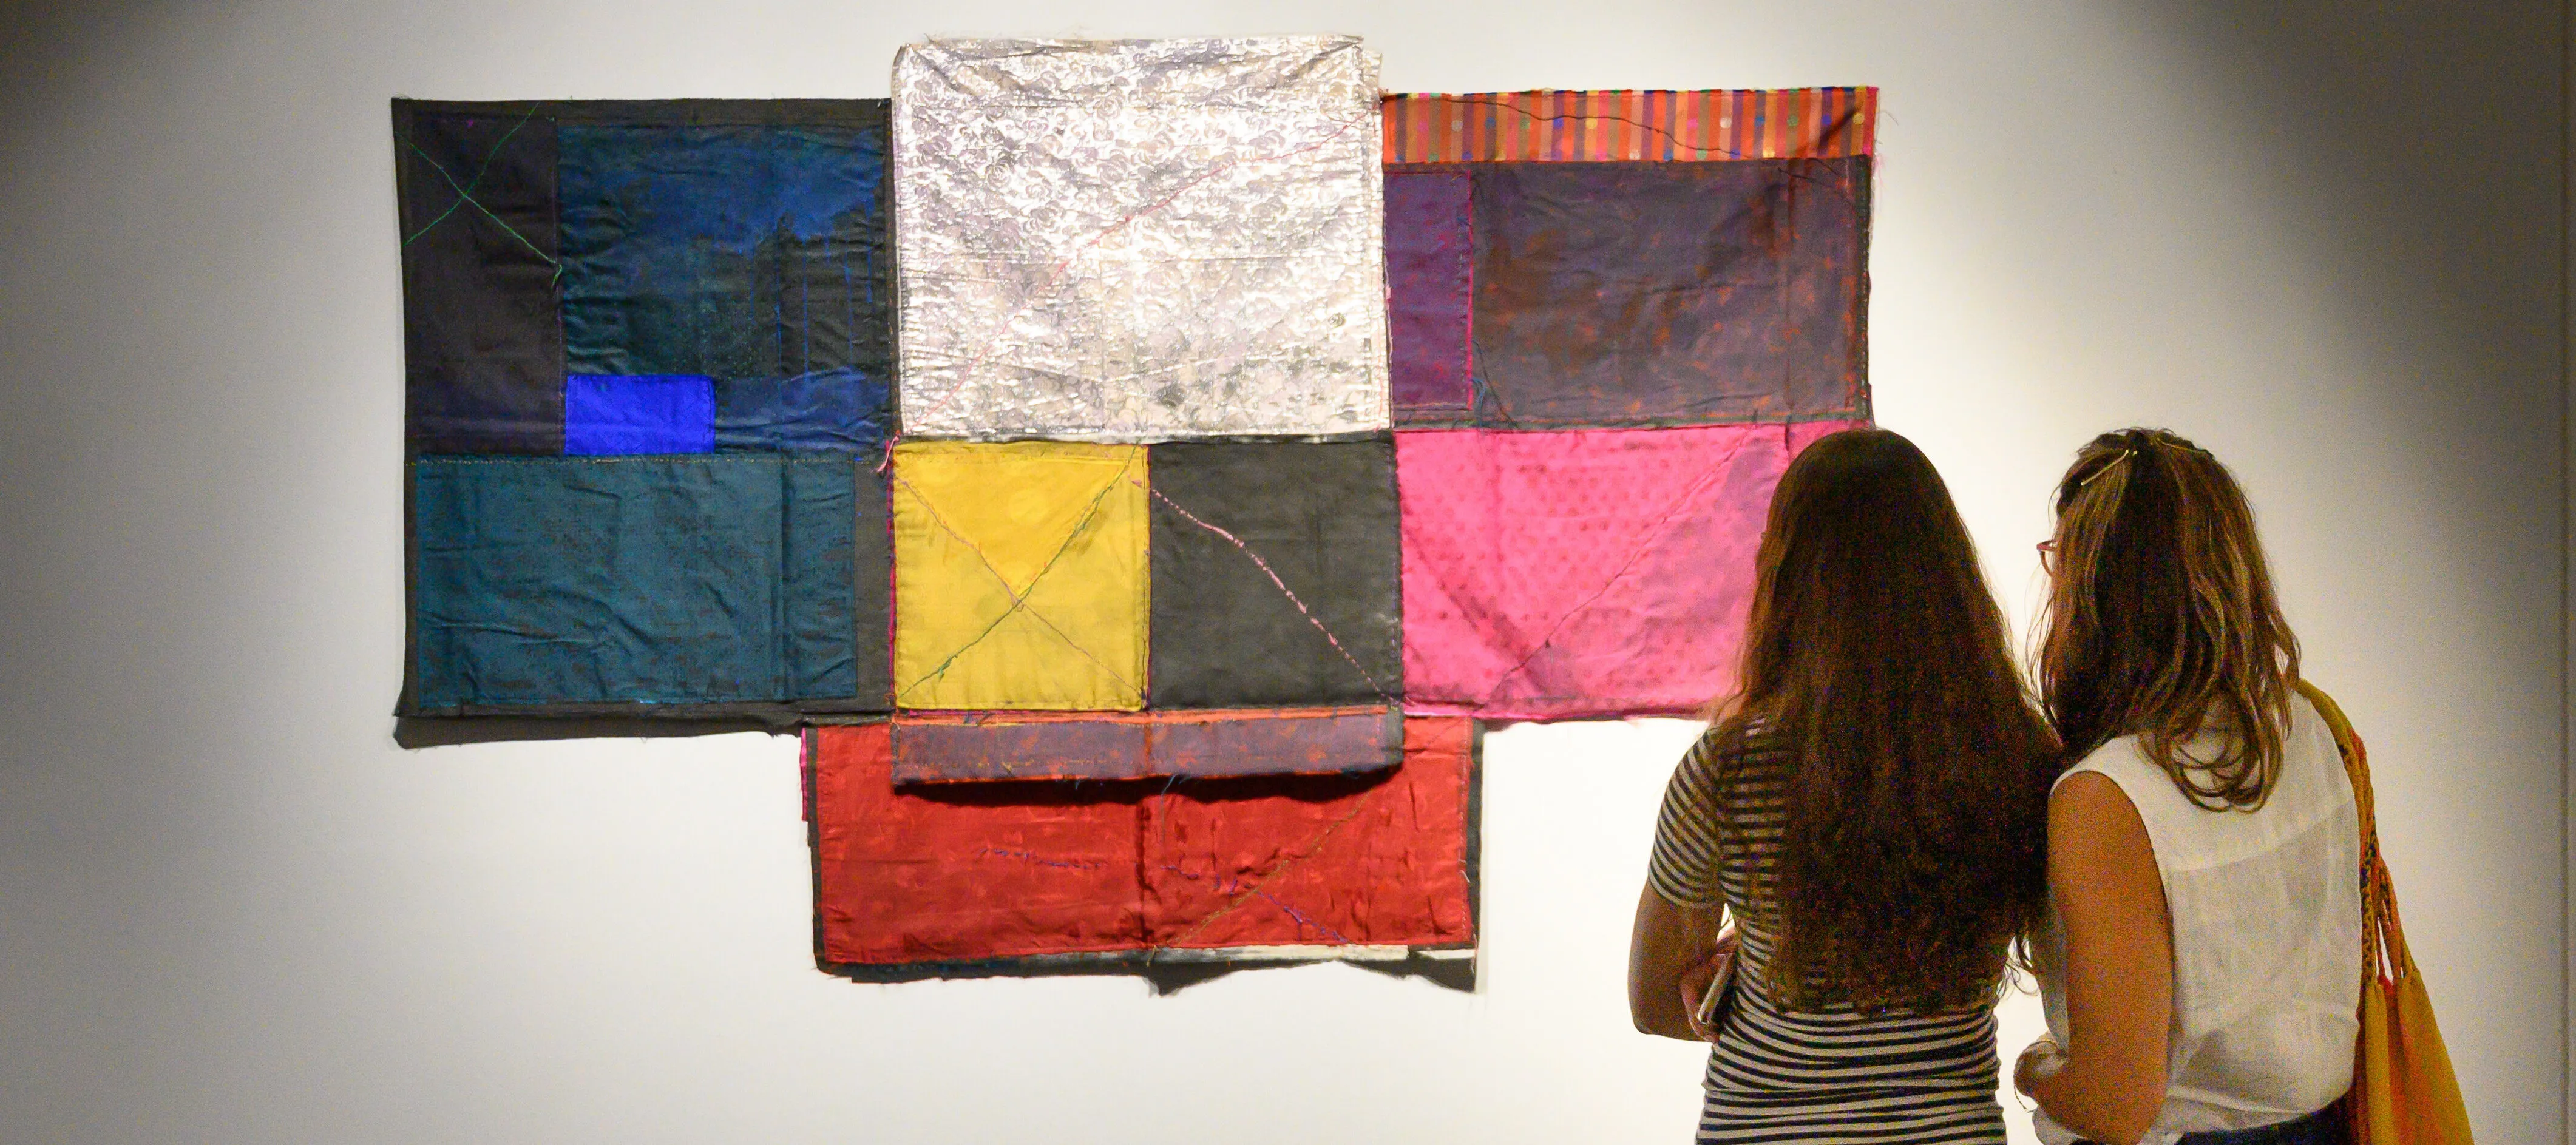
(609, 415)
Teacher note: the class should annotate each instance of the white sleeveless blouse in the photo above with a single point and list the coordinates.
(2266, 912)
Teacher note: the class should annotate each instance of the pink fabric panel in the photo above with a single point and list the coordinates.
(1582, 573)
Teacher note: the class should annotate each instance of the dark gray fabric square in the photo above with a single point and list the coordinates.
(1275, 578)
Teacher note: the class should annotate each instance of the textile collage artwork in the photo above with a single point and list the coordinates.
(1138, 469)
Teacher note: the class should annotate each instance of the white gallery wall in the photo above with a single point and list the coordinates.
(2321, 239)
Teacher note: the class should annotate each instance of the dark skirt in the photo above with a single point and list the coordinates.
(2327, 1126)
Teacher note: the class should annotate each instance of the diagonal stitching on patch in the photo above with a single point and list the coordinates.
(1019, 596)
(1284, 590)
(1654, 534)
(465, 194)
(1259, 886)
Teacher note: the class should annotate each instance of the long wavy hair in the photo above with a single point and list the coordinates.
(1916, 818)
(2162, 623)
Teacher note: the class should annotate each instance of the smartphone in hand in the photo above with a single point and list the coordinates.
(1711, 1011)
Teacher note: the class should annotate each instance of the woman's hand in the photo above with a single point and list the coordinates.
(1695, 981)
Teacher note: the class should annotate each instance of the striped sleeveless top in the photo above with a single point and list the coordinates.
(1831, 1074)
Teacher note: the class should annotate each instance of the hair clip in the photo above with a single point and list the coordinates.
(2113, 464)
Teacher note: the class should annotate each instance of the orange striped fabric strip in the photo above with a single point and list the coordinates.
(1595, 126)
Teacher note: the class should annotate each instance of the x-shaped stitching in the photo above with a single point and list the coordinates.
(465, 191)
(1647, 540)
(1019, 596)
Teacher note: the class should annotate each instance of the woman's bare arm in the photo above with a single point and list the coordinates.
(2108, 1081)
(1667, 951)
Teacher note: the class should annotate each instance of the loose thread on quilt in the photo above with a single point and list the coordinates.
(1035, 859)
(1291, 594)
(1229, 885)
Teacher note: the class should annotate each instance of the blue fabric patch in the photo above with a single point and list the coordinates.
(716, 579)
(731, 252)
(842, 410)
(658, 413)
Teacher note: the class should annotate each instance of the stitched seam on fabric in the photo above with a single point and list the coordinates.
(479, 172)
(1284, 590)
(487, 211)
(1654, 534)
(1227, 886)
(1307, 852)
(1019, 599)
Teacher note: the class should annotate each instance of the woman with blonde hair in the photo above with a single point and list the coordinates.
(1869, 806)
(2201, 972)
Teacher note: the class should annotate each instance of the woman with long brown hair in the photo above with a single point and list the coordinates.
(1868, 806)
(2202, 968)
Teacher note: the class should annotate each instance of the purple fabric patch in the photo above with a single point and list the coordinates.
(1647, 294)
(1430, 260)
(1197, 745)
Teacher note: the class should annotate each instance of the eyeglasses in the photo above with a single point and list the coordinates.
(2048, 557)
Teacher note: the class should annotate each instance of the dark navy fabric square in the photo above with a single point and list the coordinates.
(1275, 574)
(751, 254)
(840, 409)
(658, 413)
(726, 578)
(482, 347)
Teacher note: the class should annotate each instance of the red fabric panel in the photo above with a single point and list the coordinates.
(1381, 864)
(972, 871)
(976, 872)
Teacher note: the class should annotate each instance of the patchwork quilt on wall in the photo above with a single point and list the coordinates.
(1251, 437)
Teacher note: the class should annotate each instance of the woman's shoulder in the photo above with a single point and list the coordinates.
(1741, 735)
(1749, 748)
(2309, 786)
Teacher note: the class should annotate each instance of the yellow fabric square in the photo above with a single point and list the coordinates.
(1020, 575)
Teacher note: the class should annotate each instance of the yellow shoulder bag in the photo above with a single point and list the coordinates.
(2403, 1091)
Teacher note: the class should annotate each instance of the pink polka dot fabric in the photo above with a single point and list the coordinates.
(1582, 574)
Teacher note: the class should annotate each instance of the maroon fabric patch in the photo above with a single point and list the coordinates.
(1648, 293)
(1200, 744)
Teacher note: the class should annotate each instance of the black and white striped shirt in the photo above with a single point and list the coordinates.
(1823, 1075)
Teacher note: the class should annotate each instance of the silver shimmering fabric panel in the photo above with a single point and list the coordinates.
(1139, 240)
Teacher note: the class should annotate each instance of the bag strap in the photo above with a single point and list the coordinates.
(2384, 957)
